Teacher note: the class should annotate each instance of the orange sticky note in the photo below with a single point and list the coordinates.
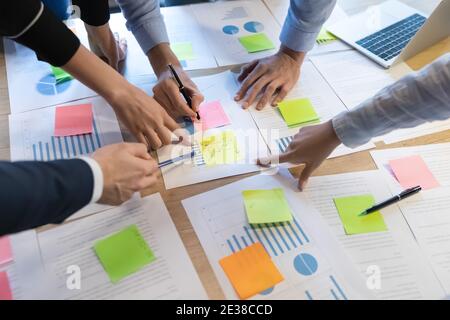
(213, 115)
(73, 120)
(5, 250)
(251, 271)
(5, 289)
(412, 171)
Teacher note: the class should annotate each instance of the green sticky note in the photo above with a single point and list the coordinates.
(297, 111)
(256, 42)
(349, 209)
(183, 50)
(123, 253)
(60, 75)
(325, 37)
(266, 206)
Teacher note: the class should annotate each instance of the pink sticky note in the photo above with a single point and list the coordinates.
(5, 289)
(212, 115)
(5, 250)
(412, 171)
(73, 120)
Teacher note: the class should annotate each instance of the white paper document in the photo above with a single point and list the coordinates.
(393, 256)
(435, 156)
(219, 219)
(26, 269)
(224, 22)
(170, 276)
(31, 84)
(312, 86)
(32, 137)
(222, 88)
(354, 77)
(427, 213)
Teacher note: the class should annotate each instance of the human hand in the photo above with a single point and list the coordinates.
(167, 93)
(310, 146)
(107, 45)
(268, 80)
(145, 118)
(127, 168)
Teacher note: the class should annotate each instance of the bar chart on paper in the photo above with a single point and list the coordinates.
(219, 219)
(57, 148)
(32, 135)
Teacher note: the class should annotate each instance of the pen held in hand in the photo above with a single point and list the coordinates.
(182, 88)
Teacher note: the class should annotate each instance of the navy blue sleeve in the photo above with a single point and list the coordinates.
(33, 194)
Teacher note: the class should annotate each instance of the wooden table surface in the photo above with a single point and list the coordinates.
(360, 161)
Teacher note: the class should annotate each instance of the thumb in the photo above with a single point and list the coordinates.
(139, 150)
(304, 176)
(196, 99)
(275, 159)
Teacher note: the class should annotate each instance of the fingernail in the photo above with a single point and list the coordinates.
(244, 105)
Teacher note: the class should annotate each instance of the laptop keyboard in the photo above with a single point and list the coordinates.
(389, 42)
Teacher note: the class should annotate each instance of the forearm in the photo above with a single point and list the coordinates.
(415, 99)
(303, 23)
(97, 75)
(37, 193)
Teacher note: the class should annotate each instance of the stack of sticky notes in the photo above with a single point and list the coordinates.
(73, 120)
(296, 112)
(256, 42)
(220, 148)
(6, 255)
(266, 206)
(349, 209)
(123, 253)
(251, 271)
(212, 115)
(325, 37)
(60, 75)
(5, 288)
(413, 171)
(183, 50)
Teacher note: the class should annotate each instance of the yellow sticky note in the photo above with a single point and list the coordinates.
(256, 42)
(325, 37)
(349, 209)
(183, 50)
(251, 271)
(221, 148)
(297, 111)
(266, 206)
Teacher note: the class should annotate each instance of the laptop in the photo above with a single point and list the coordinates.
(393, 32)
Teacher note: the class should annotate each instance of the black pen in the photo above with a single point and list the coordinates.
(403, 195)
(182, 88)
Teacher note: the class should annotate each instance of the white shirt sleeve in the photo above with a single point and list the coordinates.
(97, 173)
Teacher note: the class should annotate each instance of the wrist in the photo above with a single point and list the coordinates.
(333, 138)
(297, 56)
(160, 56)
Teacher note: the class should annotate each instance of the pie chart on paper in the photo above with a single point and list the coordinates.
(254, 26)
(48, 86)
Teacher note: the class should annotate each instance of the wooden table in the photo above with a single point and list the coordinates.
(360, 161)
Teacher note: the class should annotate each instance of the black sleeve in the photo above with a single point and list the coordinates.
(33, 194)
(93, 12)
(52, 41)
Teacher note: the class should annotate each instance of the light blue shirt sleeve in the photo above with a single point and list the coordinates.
(303, 23)
(420, 97)
(145, 21)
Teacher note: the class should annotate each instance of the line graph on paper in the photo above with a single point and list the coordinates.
(306, 270)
